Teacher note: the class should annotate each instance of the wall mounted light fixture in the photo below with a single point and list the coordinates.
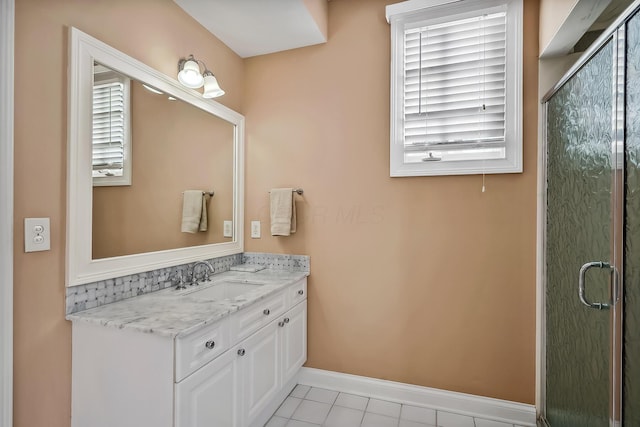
(191, 76)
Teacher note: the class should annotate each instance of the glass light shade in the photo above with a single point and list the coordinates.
(211, 87)
(190, 75)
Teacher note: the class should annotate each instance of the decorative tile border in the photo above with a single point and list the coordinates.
(278, 261)
(95, 294)
(91, 295)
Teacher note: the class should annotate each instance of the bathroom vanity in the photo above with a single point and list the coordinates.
(224, 353)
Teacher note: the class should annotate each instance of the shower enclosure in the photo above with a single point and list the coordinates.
(592, 236)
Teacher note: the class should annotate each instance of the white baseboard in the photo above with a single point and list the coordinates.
(460, 403)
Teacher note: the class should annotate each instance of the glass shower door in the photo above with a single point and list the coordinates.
(580, 215)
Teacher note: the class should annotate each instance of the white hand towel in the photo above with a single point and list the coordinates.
(283, 212)
(202, 226)
(194, 212)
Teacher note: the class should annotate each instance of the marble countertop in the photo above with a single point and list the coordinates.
(172, 312)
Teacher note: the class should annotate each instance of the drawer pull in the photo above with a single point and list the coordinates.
(241, 352)
(281, 324)
(286, 320)
(266, 311)
(210, 344)
(301, 292)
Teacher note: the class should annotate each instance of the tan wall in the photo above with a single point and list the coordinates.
(552, 14)
(422, 280)
(158, 33)
(176, 147)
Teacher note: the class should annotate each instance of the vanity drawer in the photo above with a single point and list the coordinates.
(250, 319)
(197, 349)
(297, 293)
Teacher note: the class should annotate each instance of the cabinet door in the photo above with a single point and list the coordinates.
(260, 370)
(210, 396)
(294, 341)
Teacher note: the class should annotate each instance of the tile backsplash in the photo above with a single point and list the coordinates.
(91, 295)
(277, 261)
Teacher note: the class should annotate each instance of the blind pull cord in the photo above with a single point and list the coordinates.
(420, 75)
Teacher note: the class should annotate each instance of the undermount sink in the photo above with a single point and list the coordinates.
(224, 290)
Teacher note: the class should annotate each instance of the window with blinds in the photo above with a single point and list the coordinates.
(456, 83)
(111, 150)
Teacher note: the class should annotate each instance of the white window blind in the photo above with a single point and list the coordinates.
(454, 89)
(109, 111)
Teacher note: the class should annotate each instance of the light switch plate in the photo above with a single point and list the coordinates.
(37, 234)
(227, 229)
(255, 229)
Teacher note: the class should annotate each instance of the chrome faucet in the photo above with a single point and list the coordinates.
(178, 280)
(209, 270)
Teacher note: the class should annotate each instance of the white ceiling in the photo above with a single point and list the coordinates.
(256, 27)
(610, 14)
(586, 15)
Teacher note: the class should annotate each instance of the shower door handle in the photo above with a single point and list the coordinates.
(581, 284)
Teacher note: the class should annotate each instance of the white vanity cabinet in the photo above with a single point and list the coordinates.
(260, 370)
(236, 387)
(293, 341)
(232, 373)
(211, 396)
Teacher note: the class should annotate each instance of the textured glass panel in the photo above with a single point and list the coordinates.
(579, 136)
(631, 352)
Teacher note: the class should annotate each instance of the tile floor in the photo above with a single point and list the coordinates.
(312, 407)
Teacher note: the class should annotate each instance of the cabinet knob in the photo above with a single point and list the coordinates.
(241, 352)
(281, 324)
(210, 344)
(286, 320)
(266, 311)
(301, 292)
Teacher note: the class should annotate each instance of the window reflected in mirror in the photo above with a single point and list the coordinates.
(111, 136)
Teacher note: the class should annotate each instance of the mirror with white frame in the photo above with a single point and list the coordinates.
(130, 222)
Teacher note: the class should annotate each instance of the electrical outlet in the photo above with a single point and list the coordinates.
(227, 229)
(255, 229)
(37, 236)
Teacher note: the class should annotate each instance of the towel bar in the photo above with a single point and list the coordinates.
(204, 193)
(296, 190)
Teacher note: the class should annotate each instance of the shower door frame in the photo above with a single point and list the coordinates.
(616, 32)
